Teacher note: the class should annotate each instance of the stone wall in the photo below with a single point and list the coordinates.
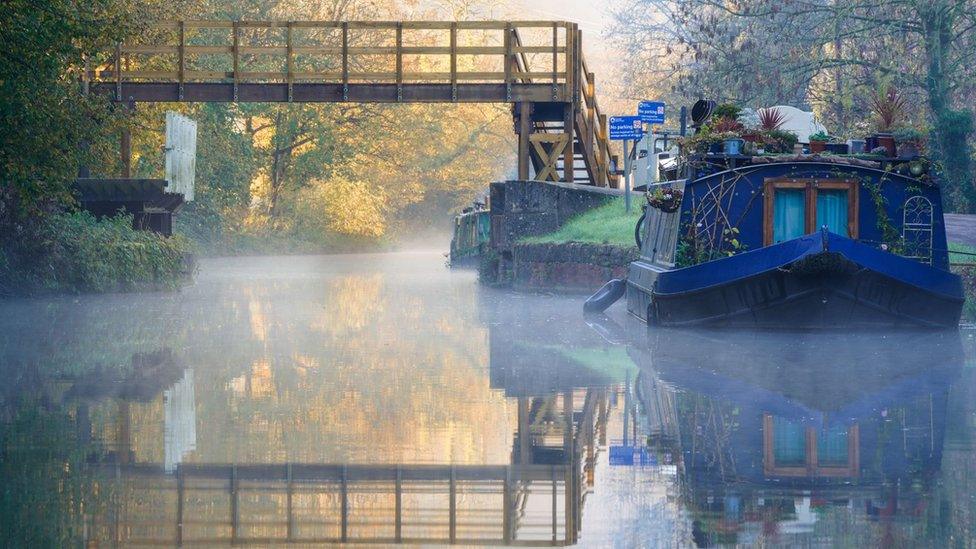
(569, 267)
(529, 208)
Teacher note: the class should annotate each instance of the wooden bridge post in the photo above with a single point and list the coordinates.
(524, 112)
(570, 462)
(569, 114)
(125, 143)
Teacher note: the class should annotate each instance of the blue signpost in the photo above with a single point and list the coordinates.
(651, 112)
(626, 129)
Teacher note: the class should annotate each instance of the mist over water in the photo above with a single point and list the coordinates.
(383, 397)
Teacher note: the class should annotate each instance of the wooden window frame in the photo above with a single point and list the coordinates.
(812, 467)
(811, 186)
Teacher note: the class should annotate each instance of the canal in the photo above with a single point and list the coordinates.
(384, 398)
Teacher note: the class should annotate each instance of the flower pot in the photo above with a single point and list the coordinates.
(732, 146)
(887, 141)
(817, 147)
(857, 146)
(870, 143)
(837, 148)
(907, 150)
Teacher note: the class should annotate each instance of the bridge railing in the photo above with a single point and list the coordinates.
(396, 53)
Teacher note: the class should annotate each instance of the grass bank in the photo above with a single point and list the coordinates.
(75, 252)
(959, 253)
(607, 224)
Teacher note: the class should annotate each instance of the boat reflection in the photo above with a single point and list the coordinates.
(795, 439)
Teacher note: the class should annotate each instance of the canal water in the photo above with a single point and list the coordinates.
(384, 398)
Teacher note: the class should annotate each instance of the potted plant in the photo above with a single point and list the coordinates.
(779, 141)
(731, 142)
(909, 142)
(818, 142)
(837, 148)
(889, 109)
(663, 198)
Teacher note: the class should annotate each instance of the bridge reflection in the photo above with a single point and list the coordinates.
(535, 500)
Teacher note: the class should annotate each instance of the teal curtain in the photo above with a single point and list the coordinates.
(789, 443)
(832, 210)
(789, 214)
(832, 447)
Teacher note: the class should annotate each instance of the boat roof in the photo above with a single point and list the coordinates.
(814, 160)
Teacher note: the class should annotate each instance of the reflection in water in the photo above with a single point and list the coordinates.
(383, 398)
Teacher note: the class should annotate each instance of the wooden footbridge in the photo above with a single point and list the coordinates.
(536, 66)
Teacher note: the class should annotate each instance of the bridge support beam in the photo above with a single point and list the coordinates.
(523, 114)
(569, 118)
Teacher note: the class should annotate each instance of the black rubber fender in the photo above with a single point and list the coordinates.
(637, 229)
(605, 296)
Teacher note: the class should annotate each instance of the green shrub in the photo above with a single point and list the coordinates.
(75, 252)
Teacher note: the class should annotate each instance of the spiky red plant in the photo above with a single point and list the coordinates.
(889, 106)
(771, 119)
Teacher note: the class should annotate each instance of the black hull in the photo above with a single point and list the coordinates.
(824, 289)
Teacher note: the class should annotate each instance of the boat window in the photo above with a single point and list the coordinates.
(789, 214)
(789, 443)
(832, 210)
(796, 207)
(832, 448)
(793, 449)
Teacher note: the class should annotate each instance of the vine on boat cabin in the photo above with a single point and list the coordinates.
(708, 229)
(891, 239)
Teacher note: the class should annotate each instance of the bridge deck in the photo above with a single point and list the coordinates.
(535, 65)
(375, 61)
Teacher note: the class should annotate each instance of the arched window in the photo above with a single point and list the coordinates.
(916, 229)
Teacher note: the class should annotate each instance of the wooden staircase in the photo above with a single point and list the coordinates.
(593, 163)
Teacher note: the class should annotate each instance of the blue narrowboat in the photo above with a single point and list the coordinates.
(796, 242)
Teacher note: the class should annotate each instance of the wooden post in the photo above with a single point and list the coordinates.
(180, 488)
(524, 129)
(289, 60)
(555, 500)
(555, 59)
(398, 507)
(569, 460)
(345, 61)
(399, 61)
(507, 508)
(118, 71)
(508, 61)
(454, 72)
(344, 505)
(569, 113)
(234, 510)
(125, 143)
(452, 525)
(237, 57)
(602, 151)
(291, 513)
(182, 54)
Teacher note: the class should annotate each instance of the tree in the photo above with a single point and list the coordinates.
(815, 50)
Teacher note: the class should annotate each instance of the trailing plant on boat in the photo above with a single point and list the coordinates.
(890, 236)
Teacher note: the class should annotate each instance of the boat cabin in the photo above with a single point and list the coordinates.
(763, 207)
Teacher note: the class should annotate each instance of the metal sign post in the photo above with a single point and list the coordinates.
(626, 129)
(627, 171)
